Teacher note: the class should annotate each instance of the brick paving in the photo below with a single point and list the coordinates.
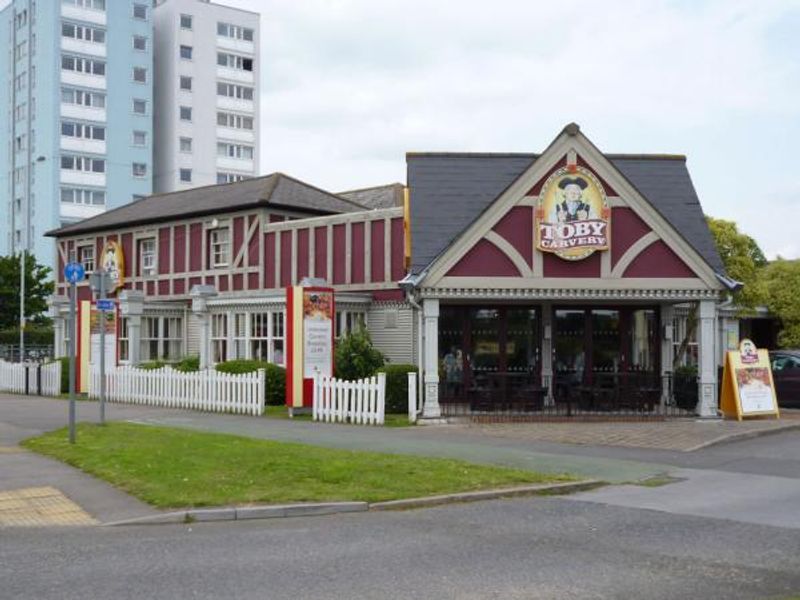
(683, 435)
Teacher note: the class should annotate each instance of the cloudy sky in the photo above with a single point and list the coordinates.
(351, 85)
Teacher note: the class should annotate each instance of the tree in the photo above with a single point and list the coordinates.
(744, 261)
(355, 357)
(782, 281)
(38, 287)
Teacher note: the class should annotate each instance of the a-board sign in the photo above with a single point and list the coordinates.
(309, 334)
(748, 389)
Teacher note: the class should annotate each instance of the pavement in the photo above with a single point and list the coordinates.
(723, 467)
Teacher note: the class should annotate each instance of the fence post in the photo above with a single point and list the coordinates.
(412, 397)
(381, 397)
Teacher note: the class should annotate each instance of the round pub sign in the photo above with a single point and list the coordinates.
(572, 214)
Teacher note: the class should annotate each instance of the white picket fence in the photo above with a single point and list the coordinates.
(361, 402)
(201, 390)
(13, 378)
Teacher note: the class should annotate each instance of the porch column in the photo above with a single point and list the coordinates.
(667, 350)
(200, 295)
(430, 314)
(58, 305)
(707, 363)
(131, 306)
(547, 350)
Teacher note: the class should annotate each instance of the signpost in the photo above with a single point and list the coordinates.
(100, 281)
(73, 273)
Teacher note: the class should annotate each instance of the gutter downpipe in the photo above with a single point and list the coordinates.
(409, 284)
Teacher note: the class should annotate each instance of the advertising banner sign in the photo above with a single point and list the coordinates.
(747, 385)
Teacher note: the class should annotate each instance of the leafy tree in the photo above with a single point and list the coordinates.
(743, 260)
(38, 287)
(782, 281)
(355, 357)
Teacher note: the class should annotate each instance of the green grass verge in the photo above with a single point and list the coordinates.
(171, 468)
(281, 412)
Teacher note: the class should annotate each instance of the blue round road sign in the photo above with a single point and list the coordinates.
(74, 272)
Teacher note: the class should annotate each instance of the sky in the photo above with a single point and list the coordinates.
(349, 86)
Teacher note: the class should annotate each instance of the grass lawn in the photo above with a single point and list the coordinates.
(281, 412)
(171, 468)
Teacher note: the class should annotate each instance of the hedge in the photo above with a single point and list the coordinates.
(35, 335)
(397, 387)
(275, 375)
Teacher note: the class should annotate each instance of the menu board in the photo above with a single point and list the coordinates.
(747, 386)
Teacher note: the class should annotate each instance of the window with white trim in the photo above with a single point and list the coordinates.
(140, 74)
(140, 11)
(139, 170)
(234, 31)
(234, 61)
(172, 338)
(91, 4)
(140, 138)
(148, 345)
(79, 64)
(185, 113)
(231, 177)
(83, 130)
(231, 90)
(83, 98)
(219, 338)
(259, 336)
(147, 256)
(86, 257)
(185, 175)
(220, 247)
(139, 106)
(186, 22)
(186, 52)
(140, 43)
(185, 144)
(348, 321)
(185, 83)
(83, 32)
(234, 121)
(123, 340)
(235, 150)
(85, 196)
(83, 163)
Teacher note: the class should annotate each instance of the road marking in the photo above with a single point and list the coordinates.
(40, 507)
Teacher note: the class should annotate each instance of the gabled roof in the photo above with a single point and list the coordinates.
(381, 196)
(450, 190)
(275, 190)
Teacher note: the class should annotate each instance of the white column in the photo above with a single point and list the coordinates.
(667, 349)
(430, 314)
(707, 363)
(547, 350)
(58, 307)
(200, 295)
(131, 306)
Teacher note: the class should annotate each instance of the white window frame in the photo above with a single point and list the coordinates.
(220, 249)
(148, 257)
(85, 254)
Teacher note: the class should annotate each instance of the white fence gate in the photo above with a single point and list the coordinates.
(31, 378)
(362, 402)
(201, 390)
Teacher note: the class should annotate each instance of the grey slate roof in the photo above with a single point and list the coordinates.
(450, 190)
(382, 196)
(276, 190)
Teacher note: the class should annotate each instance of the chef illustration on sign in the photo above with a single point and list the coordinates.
(572, 208)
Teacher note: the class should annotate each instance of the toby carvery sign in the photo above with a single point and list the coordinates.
(572, 214)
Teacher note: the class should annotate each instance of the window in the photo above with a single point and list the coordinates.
(83, 98)
(123, 339)
(140, 43)
(231, 90)
(234, 31)
(219, 338)
(147, 257)
(140, 11)
(82, 130)
(186, 52)
(347, 322)
(186, 83)
(234, 61)
(139, 106)
(93, 4)
(83, 65)
(186, 113)
(186, 21)
(186, 175)
(140, 74)
(86, 257)
(230, 177)
(219, 247)
(172, 338)
(234, 121)
(83, 196)
(235, 150)
(148, 345)
(186, 144)
(139, 170)
(140, 138)
(83, 32)
(83, 163)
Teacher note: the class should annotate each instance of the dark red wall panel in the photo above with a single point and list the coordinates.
(180, 248)
(252, 281)
(484, 259)
(276, 218)
(196, 247)
(558, 267)
(377, 251)
(193, 281)
(339, 256)
(252, 248)
(286, 258)
(238, 282)
(387, 295)
(151, 288)
(517, 229)
(321, 253)
(163, 250)
(302, 253)
(357, 253)
(178, 286)
(658, 260)
(626, 228)
(163, 287)
(127, 252)
(398, 245)
(222, 283)
(269, 260)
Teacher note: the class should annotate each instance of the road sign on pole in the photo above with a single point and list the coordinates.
(105, 304)
(74, 272)
(100, 281)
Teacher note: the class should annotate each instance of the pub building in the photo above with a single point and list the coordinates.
(552, 284)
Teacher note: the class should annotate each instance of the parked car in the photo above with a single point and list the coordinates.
(786, 373)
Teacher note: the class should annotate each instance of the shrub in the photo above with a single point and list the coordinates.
(397, 387)
(36, 334)
(64, 360)
(275, 377)
(355, 356)
(188, 364)
(151, 365)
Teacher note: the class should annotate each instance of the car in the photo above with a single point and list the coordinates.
(786, 373)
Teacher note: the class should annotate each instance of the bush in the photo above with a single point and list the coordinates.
(35, 335)
(64, 360)
(275, 377)
(397, 387)
(189, 364)
(151, 365)
(355, 356)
